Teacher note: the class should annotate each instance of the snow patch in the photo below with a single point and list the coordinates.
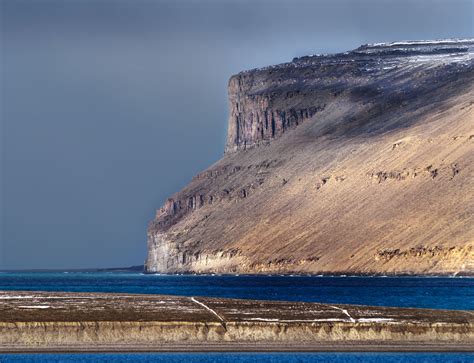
(297, 320)
(345, 312)
(421, 42)
(208, 309)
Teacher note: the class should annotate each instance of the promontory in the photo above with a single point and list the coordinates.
(354, 163)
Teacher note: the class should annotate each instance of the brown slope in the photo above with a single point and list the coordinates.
(354, 163)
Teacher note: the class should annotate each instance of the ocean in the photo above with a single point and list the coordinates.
(421, 292)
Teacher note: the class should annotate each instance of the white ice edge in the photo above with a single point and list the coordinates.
(361, 320)
(296, 320)
(373, 320)
(48, 297)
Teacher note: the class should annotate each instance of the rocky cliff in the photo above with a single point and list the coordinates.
(360, 162)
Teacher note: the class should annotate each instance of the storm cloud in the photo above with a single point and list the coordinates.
(108, 107)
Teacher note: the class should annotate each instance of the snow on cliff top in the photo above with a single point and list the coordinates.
(421, 42)
(436, 51)
(420, 46)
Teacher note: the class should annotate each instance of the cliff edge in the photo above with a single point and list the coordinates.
(359, 162)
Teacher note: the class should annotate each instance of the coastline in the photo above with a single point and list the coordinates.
(464, 274)
(98, 322)
(285, 274)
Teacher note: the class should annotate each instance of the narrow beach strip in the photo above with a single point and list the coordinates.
(98, 322)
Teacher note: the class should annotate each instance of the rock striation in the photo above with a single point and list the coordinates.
(359, 162)
(81, 322)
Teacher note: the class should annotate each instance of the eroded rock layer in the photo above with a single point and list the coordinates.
(360, 162)
(52, 321)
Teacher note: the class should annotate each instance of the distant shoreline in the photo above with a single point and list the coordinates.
(140, 269)
(137, 268)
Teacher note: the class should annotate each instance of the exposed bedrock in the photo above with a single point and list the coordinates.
(360, 162)
(52, 321)
(259, 117)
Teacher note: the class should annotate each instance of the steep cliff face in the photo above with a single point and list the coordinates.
(360, 162)
(257, 116)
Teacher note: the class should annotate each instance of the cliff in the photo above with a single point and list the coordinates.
(360, 162)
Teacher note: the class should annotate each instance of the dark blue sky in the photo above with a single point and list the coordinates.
(107, 107)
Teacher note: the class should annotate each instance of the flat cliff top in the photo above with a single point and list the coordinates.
(23, 306)
(393, 53)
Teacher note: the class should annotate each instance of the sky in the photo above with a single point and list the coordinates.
(107, 107)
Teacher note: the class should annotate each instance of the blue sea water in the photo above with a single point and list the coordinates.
(422, 292)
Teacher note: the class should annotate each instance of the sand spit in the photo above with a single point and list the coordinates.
(126, 322)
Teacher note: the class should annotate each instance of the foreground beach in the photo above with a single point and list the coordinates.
(94, 322)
